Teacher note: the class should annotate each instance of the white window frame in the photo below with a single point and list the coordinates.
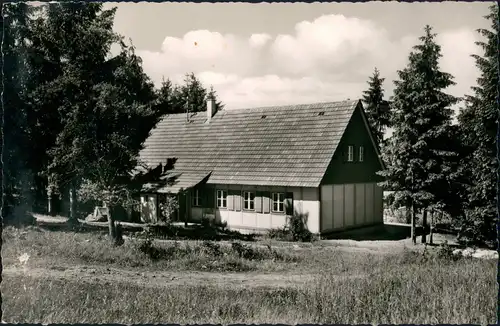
(196, 198)
(221, 198)
(350, 153)
(248, 203)
(279, 200)
(361, 154)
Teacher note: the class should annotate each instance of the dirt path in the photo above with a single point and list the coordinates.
(157, 279)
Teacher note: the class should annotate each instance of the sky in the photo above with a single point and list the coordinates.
(292, 53)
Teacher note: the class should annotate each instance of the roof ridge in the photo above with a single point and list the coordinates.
(346, 102)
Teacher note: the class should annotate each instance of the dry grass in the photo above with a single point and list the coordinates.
(46, 248)
(349, 286)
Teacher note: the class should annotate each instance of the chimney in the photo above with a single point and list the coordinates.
(211, 109)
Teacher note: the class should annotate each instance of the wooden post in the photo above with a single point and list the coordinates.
(50, 205)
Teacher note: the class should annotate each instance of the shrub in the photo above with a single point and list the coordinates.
(295, 230)
(168, 208)
(211, 249)
(298, 229)
(212, 223)
(154, 253)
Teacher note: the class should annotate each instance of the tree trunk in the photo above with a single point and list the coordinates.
(424, 226)
(413, 218)
(432, 227)
(111, 226)
(111, 223)
(72, 204)
(408, 214)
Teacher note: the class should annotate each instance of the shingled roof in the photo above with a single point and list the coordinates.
(271, 146)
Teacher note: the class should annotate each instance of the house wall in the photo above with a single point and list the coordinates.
(340, 171)
(350, 196)
(346, 206)
(305, 202)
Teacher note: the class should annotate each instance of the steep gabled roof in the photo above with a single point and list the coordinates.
(271, 146)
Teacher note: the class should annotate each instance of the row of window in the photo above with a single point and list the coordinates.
(350, 153)
(278, 198)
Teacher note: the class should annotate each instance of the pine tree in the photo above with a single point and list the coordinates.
(420, 145)
(478, 122)
(191, 96)
(377, 110)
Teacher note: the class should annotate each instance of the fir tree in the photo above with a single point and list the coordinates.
(478, 122)
(191, 96)
(377, 110)
(420, 145)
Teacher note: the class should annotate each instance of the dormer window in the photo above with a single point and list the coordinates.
(350, 153)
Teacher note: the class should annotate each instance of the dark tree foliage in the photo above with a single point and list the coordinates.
(478, 123)
(105, 104)
(189, 97)
(18, 179)
(377, 110)
(72, 114)
(422, 148)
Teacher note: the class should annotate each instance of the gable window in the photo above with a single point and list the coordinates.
(248, 200)
(222, 198)
(350, 153)
(278, 202)
(361, 153)
(196, 197)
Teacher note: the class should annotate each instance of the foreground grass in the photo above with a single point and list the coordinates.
(455, 292)
(48, 248)
(347, 287)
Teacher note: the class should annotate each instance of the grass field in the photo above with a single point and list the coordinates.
(79, 278)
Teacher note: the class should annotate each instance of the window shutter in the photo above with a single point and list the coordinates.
(230, 200)
(237, 201)
(202, 192)
(258, 202)
(289, 203)
(266, 202)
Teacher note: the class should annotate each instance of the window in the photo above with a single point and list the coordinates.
(361, 153)
(196, 198)
(248, 200)
(222, 198)
(350, 153)
(278, 202)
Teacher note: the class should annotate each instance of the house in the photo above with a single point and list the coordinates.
(253, 168)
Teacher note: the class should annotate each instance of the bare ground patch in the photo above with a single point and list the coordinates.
(157, 279)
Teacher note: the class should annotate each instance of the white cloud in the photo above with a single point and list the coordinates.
(457, 48)
(329, 58)
(259, 40)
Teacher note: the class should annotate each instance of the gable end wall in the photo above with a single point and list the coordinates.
(340, 171)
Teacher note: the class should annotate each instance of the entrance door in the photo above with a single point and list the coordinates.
(181, 215)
